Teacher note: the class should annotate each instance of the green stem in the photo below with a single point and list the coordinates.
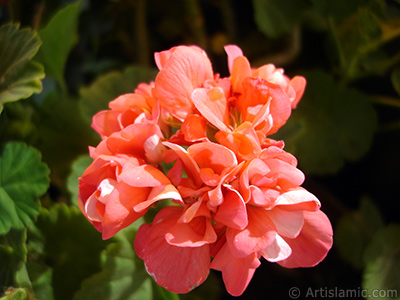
(196, 22)
(387, 37)
(388, 101)
(229, 19)
(142, 33)
(342, 58)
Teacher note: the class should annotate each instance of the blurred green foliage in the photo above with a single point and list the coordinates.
(68, 59)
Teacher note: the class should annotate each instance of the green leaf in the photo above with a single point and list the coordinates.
(330, 125)
(337, 8)
(12, 256)
(59, 37)
(165, 294)
(395, 77)
(19, 76)
(109, 86)
(276, 17)
(64, 135)
(23, 178)
(78, 167)
(355, 230)
(123, 276)
(382, 259)
(69, 248)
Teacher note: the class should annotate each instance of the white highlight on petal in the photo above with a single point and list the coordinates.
(106, 187)
(277, 251)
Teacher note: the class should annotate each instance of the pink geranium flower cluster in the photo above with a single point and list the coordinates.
(202, 141)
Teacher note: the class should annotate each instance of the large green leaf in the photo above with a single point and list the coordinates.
(330, 125)
(123, 276)
(23, 178)
(59, 37)
(109, 86)
(382, 259)
(68, 247)
(357, 228)
(19, 76)
(276, 17)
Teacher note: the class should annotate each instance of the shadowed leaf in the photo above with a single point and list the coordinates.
(19, 76)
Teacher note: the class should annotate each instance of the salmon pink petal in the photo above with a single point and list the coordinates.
(211, 155)
(106, 122)
(90, 209)
(153, 149)
(280, 108)
(209, 177)
(263, 197)
(177, 269)
(187, 192)
(241, 70)
(158, 193)
(243, 141)
(254, 167)
(194, 128)
(119, 211)
(216, 198)
(162, 57)
(287, 223)
(298, 83)
(189, 164)
(236, 272)
(232, 212)
(186, 69)
(132, 138)
(288, 175)
(264, 71)
(312, 244)
(298, 199)
(129, 100)
(143, 176)
(197, 233)
(277, 251)
(278, 153)
(175, 173)
(259, 233)
(196, 209)
(233, 52)
(212, 104)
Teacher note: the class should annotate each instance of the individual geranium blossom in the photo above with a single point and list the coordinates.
(125, 110)
(182, 69)
(187, 232)
(306, 249)
(115, 191)
(252, 105)
(240, 69)
(282, 222)
(141, 140)
(176, 255)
